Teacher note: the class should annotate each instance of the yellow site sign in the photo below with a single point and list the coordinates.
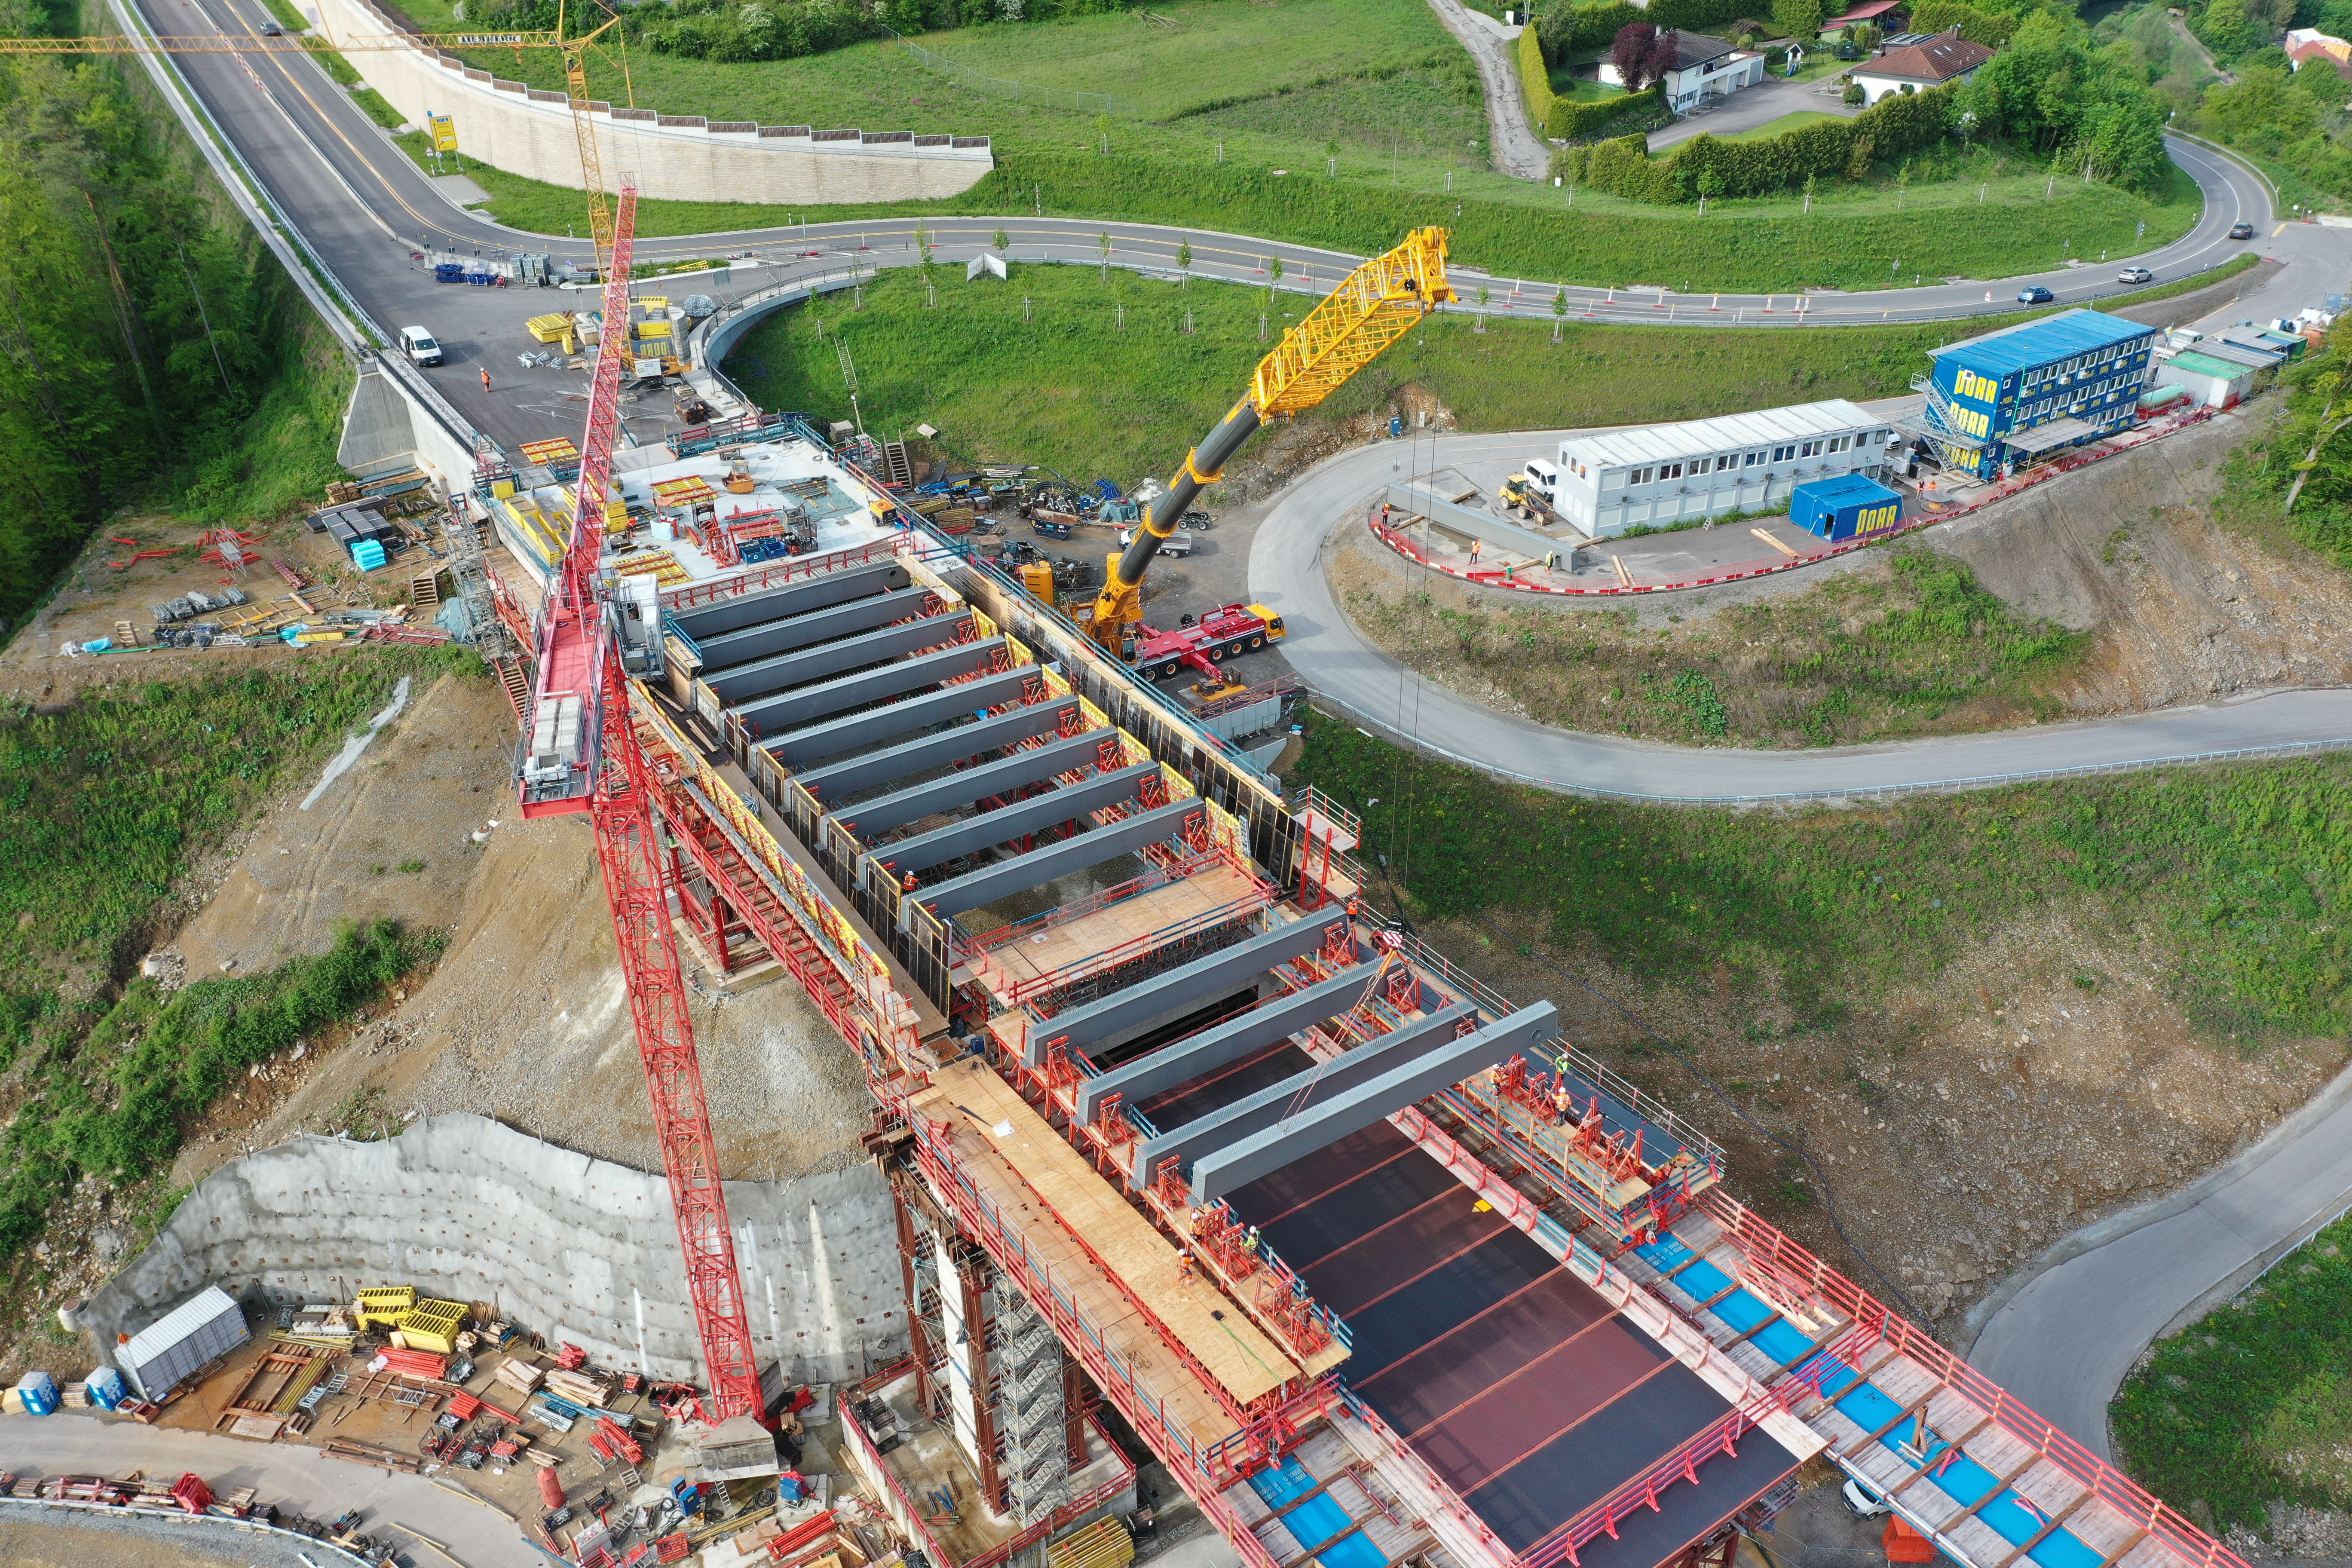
(445, 132)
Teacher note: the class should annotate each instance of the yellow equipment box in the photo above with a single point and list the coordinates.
(382, 1308)
(434, 1326)
(551, 327)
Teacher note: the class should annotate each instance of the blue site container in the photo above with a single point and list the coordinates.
(1850, 507)
(39, 1392)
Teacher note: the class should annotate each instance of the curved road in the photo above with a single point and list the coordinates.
(294, 1476)
(2064, 1338)
(365, 206)
(1285, 571)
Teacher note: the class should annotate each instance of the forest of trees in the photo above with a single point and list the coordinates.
(144, 331)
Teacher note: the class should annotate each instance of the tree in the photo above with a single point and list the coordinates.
(1002, 241)
(2230, 28)
(1631, 55)
(1102, 129)
(1665, 53)
(1798, 19)
(1184, 261)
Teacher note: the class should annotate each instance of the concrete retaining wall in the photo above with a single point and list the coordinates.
(568, 1246)
(678, 157)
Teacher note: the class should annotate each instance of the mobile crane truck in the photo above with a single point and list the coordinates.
(1372, 307)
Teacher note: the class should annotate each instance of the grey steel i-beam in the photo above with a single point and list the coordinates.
(1309, 1086)
(1240, 1162)
(1275, 1019)
(803, 704)
(968, 786)
(801, 747)
(841, 780)
(1185, 987)
(730, 649)
(975, 890)
(1009, 822)
(791, 599)
(803, 666)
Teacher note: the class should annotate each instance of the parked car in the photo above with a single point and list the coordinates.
(1862, 1502)
(2242, 231)
(2135, 275)
(2034, 294)
(419, 345)
(1174, 544)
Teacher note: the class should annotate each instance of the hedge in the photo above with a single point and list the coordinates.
(1900, 123)
(1572, 117)
(1534, 79)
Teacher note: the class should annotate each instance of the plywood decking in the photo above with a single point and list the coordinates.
(1037, 1177)
(1075, 942)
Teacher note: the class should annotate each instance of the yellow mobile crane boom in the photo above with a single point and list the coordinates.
(1372, 307)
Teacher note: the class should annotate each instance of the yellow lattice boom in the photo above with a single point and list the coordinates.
(1375, 305)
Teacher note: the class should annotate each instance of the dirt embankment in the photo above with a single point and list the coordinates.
(1963, 1123)
(525, 1017)
(2176, 607)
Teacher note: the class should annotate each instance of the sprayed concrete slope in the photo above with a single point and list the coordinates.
(570, 1246)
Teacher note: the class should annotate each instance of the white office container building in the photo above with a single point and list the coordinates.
(1664, 474)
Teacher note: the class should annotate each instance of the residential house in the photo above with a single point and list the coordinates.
(2306, 43)
(1916, 67)
(1704, 68)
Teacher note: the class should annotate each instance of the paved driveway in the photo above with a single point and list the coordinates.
(1751, 107)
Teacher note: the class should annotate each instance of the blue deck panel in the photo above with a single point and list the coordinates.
(1312, 1523)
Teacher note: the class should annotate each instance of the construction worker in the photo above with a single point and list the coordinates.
(485, 378)
(1250, 1241)
(908, 883)
(1474, 544)
(1561, 1104)
(1184, 1266)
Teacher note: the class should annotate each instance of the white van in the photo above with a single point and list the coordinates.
(419, 345)
(1178, 544)
(1544, 478)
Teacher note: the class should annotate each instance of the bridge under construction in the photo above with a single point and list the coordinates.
(1175, 1128)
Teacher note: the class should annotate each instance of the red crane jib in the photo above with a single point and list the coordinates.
(575, 658)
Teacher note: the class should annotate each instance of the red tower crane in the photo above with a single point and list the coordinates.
(582, 755)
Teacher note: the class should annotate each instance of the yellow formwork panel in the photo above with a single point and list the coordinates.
(383, 1307)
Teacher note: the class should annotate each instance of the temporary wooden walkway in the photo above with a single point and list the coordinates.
(1075, 942)
(1072, 1216)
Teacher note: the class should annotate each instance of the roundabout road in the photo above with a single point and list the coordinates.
(363, 206)
(1285, 571)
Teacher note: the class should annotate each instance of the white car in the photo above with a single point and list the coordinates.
(1862, 1502)
(418, 344)
(1177, 543)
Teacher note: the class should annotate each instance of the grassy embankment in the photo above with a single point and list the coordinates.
(2238, 876)
(1920, 649)
(1070, 387)
(1267, 89)
(104, 806)
(2252, 1405)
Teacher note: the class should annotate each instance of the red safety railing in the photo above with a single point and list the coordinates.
(1144, 1410)
(978, 948)
(791, 569)
(1718, 1437)
(1774, 1255)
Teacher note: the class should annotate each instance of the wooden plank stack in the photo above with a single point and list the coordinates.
(522, 1376)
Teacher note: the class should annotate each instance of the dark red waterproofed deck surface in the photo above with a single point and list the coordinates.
(1509, 1376)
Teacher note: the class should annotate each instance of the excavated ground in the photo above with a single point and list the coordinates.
(524, 1018)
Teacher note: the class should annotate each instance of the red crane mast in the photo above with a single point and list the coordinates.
(582, 755)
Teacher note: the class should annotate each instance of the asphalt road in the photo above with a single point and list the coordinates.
(366, 209)
(2064, 1338)
(292, 1475)
(1285, 571)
